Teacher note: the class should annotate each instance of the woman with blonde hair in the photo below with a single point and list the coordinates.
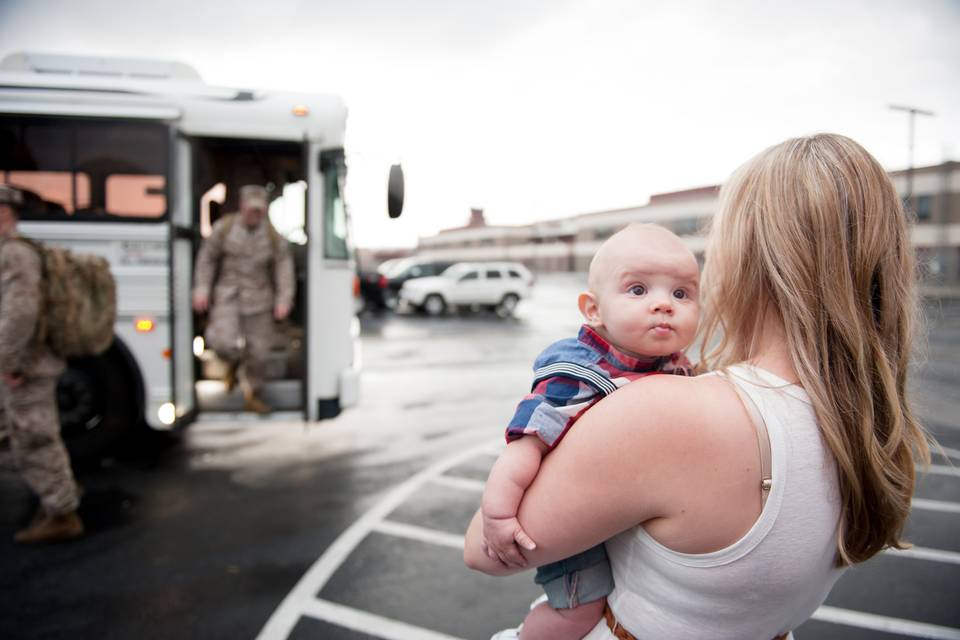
(731, 502)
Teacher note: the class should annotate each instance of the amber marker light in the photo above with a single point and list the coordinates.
(144, 325)
(301, 110)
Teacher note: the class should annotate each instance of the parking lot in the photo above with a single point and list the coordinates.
(352, 529)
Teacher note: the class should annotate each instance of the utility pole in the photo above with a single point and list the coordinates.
(913, 111)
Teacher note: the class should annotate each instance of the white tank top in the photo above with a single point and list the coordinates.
(768, 582)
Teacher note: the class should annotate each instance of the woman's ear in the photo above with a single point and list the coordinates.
(589, 308)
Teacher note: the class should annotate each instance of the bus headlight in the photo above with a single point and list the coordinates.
(198, 346)
(167, 413)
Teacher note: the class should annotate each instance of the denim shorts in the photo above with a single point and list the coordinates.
(578, 579)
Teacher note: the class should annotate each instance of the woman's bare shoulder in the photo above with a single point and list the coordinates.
(700, 413)
(679, 396)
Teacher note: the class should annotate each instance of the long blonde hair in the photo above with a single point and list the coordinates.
(812, 231)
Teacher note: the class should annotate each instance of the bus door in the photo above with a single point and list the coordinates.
(181, 259)
(220, 168)
(333, 359)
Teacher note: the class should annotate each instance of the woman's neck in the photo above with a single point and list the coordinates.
(770, 351)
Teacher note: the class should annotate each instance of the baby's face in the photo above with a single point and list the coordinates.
(646, 289)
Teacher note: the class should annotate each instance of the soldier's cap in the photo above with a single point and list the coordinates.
(10, 195)
(253, 196)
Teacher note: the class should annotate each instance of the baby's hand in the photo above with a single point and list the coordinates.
(502, 539)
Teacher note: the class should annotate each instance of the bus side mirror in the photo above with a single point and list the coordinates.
(395, 191)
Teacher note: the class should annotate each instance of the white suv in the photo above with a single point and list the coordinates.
(497, 285)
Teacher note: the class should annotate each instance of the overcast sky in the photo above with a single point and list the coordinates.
(536, 110)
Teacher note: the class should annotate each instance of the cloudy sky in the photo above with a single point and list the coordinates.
(537, 110)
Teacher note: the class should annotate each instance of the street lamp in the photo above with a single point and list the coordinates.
(913, 111)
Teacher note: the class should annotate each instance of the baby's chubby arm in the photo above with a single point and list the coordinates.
(509, 478)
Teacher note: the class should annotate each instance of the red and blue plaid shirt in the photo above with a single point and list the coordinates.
(572, 375)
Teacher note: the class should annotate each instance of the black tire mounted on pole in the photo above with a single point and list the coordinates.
(97, 399)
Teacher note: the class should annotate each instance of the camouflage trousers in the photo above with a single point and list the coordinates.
(244, 340)
(30, 443)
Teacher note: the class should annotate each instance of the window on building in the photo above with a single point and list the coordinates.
(684, 226)
(924, 208)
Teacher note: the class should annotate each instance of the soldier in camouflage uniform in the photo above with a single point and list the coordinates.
(244, 276)
(29, 422)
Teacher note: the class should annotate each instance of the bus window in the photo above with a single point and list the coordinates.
(137, 196)
(127, 162)
(334, 214)
(88, 170)
(287, 213)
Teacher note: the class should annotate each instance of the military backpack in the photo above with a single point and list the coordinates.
(78, 302)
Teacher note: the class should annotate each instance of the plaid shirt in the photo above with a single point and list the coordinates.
(572, 375)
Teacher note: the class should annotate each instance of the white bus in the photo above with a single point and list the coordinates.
(134, 160)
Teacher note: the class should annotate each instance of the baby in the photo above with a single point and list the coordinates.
(641, 311)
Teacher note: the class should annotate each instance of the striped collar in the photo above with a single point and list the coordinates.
(616, 357)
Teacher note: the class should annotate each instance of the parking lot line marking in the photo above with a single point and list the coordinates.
(940, 470)
(283, 620)
(885, 623)
(935, 505)
(413, 532)
(467, 484)
(924, 553)
(370, 623)
(951, 453)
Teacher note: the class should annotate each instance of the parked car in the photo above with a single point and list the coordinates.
(409, 269)
(495, 285)
(372, 287)
(380, 288)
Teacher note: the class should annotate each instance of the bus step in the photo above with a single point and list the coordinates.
(281, 395)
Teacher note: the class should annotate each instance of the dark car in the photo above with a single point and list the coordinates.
(408, 269)
(380, 288)
(372, 287)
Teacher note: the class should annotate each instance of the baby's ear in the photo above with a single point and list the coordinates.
(589, 308)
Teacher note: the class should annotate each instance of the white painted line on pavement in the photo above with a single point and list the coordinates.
(370, 623)
(303, 595)
(885, 623)
(923, 553)
(935, 505)
(422, 534)
(467, 484)
(951, 453)
(940, 470)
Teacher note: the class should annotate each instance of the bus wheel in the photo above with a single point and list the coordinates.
(96, 398)
(434, 305)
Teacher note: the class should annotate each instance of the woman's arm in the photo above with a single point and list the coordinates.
(623, 463)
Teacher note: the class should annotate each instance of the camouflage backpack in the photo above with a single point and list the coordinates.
(79, 304)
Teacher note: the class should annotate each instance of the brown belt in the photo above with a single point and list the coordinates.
(615, 627)
(622, 634)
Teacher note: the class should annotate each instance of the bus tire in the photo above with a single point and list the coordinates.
(434, 304)
(97, 397)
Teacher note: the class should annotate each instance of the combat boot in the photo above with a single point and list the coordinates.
(51, 528)
(252, 402)
(230, 377)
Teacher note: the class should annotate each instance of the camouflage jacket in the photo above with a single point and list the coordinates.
(20, 301)
(245, 267)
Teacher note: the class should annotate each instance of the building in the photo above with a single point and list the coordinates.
(568, 244)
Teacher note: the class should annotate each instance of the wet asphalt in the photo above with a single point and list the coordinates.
(217, 533)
